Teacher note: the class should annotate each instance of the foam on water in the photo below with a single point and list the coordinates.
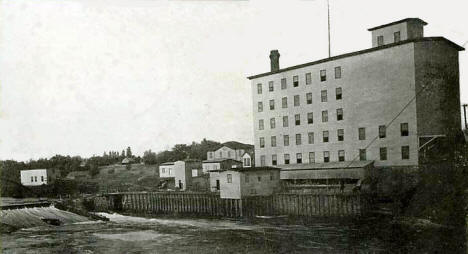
(147, 235)
(194, 223)
(31, 217)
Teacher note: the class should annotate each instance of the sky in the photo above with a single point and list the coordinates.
(84, 77)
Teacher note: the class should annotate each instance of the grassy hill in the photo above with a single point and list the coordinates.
(119, 178)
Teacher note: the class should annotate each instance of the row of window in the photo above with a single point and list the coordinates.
(247, 178)
(297, 100)
(396, 38)
(405, 155)
(339, 133)
(34, 179)
(297, 119)
(308, 80)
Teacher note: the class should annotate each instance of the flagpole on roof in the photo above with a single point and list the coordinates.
(328, 12)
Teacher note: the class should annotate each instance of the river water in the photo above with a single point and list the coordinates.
(128, 234)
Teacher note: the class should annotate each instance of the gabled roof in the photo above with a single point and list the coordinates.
(251, 153)
(328, 165)
(414, 20)
(236, 145)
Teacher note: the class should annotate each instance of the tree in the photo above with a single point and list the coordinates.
(149, 157)
(123, 154)
(129, 152)
(94, 170)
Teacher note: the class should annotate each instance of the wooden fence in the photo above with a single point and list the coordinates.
(208, 204)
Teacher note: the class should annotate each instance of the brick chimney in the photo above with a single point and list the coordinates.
(274, 60)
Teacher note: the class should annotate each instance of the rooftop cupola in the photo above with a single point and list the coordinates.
(401, 30)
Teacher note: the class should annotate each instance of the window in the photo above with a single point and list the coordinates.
(298, 139)
(272, 104)
(326, 156)
(338, 72)
(194, 172)
(323, 96)
(296, 100)
(296, 81)
(170, 171)
(285, 121)
(284, 102)
(405, 152)
(309, 98)
(325, 136)
(246, 162)
(210, 154)
(247, 178)
(323, 75)
(286, 140)
(35, 179)
(404, 129)
(339, 114)
(229, 178)
(324, 116)
(311, 157)
(340, 134)
(271, 87)
(261, 125)
(396, 36)
(272, 176)
(283, 83)
(362, 133)
(42, 178)
(272, 123)
(382, 131)
(383, 153)
(298, 158)
(274, 160)
(260, 106)
(259, 178)
(311, 137)
(297, 118)
(308, 78)
(259, 88)
(339, 93)
(32, 179)
(380, 40)
(229, 154)
(286, 158)
(262, 160)
(341, 155)
(262, 142)
(273, 141)
(310, 118)
(362, 154)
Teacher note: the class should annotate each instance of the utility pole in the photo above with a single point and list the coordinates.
(464, 112)
(328, 10)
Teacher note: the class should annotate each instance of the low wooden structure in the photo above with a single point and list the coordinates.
(209, 204)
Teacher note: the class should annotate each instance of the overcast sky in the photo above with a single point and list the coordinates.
(83, 77)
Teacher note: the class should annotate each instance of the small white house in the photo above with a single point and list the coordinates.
(166, 170)
(37, 177)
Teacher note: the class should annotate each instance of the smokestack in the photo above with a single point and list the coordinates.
(274, 60)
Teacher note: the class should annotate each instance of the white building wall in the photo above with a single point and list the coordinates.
(34, 177)
(376, 86)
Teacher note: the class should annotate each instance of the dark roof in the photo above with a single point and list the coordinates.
(450, 43)
(417, 20)
(235, 145)
(220, 160)
(167, 163)
(328, 165)
(253, 169)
